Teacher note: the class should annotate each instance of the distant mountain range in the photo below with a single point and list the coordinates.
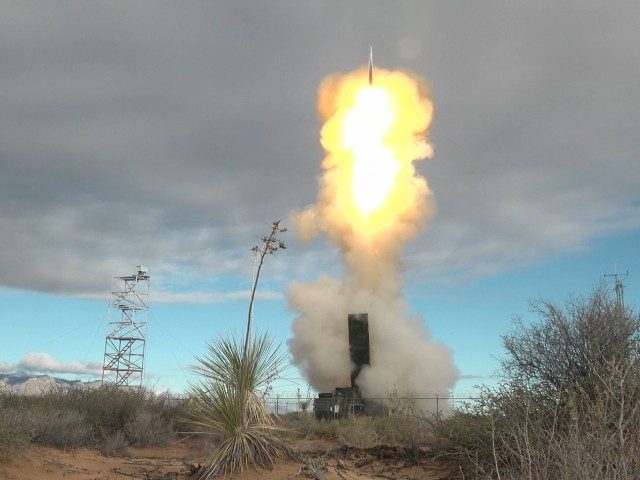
(39, 384)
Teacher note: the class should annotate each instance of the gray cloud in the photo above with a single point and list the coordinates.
(166, 135)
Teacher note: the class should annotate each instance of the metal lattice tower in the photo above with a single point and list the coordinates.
(125, 343)
(618, 288)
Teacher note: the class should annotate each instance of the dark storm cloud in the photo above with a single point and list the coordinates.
(166, 134)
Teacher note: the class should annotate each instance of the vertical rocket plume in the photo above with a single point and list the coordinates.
(371, 202)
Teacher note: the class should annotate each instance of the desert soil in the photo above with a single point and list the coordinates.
(176, 462)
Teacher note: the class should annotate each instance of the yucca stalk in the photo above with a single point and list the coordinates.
(270, 245)
(227, 402)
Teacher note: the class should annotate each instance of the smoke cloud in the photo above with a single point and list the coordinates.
(370, 233)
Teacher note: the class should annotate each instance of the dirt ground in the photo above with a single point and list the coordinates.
(317, 461)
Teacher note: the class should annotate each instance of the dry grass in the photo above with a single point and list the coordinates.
(14, 435)
(409, 432)
(149, 429)
(358, 432)
(69, 419)
(66, 429)
(114, 444)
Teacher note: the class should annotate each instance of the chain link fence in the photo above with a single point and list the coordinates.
(338, 407)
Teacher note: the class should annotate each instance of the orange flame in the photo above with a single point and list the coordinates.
(372, 135)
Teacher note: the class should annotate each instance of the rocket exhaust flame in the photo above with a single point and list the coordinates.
(363, 133)
(371, 202)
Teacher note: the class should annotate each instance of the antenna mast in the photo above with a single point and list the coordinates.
(125, 344)
(618, 287)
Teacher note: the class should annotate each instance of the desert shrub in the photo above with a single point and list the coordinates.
(577, 437)
(63, 428)
(108, 409)
(14, 436)
(400, 403)
(357, 432)
(114, 444)
(289, 420)
(464, 437)
(69, 418)
(308, 425)
(321, 428)
(567, 406)
(362, 431)
(572, 346)
(401, 430)
(149, 429)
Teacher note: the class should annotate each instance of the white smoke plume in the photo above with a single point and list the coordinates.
(404, 358)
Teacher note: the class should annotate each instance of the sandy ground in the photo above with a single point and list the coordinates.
(37, 463)
(175, 462)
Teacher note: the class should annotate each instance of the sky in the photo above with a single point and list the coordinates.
(170, 135)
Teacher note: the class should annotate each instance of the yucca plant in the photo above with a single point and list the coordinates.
(227, 403)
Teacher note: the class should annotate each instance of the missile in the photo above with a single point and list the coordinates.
(370, 65)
